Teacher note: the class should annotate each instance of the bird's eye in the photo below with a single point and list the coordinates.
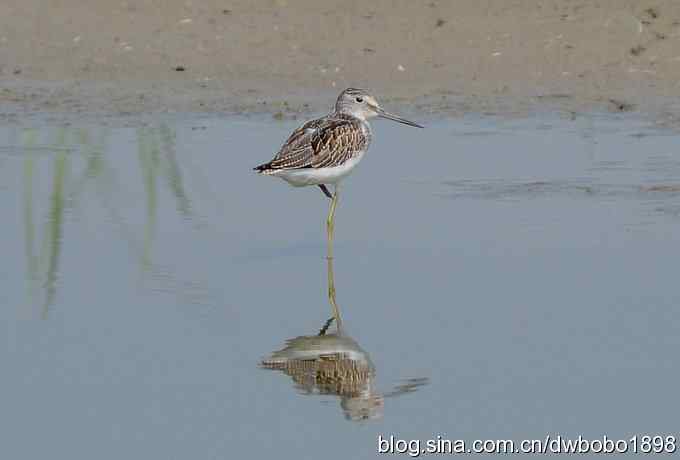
(359, 99)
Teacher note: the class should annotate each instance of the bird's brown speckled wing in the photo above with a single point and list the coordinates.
(320, 143)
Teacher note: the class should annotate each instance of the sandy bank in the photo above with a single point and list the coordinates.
(467, 55)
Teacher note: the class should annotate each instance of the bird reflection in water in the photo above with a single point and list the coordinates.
(335, 364)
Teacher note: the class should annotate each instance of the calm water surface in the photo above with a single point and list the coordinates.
(498, 279)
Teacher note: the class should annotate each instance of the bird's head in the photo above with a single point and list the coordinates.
(359, 103)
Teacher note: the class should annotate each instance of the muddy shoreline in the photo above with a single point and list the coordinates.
(290, 58)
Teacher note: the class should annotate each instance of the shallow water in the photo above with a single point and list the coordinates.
(503, 279)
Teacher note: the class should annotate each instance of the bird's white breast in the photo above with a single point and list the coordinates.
(312, 176)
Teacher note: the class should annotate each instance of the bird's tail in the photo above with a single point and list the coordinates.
(263, 168)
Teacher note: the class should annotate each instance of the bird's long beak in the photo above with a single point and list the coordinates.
(382, 114)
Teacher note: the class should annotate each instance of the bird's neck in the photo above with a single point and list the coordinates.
(349, 115)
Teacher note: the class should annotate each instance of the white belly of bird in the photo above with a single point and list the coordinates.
(312, 176)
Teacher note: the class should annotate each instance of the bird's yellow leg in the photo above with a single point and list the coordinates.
(330, 227)
(331, 297)
(330, 222)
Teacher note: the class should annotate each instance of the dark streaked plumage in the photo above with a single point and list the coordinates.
(321, 143)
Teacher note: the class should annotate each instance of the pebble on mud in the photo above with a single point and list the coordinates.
(653, 13)
(637, 50)
(622, 106)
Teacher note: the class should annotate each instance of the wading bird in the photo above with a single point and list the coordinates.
(325, 150)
